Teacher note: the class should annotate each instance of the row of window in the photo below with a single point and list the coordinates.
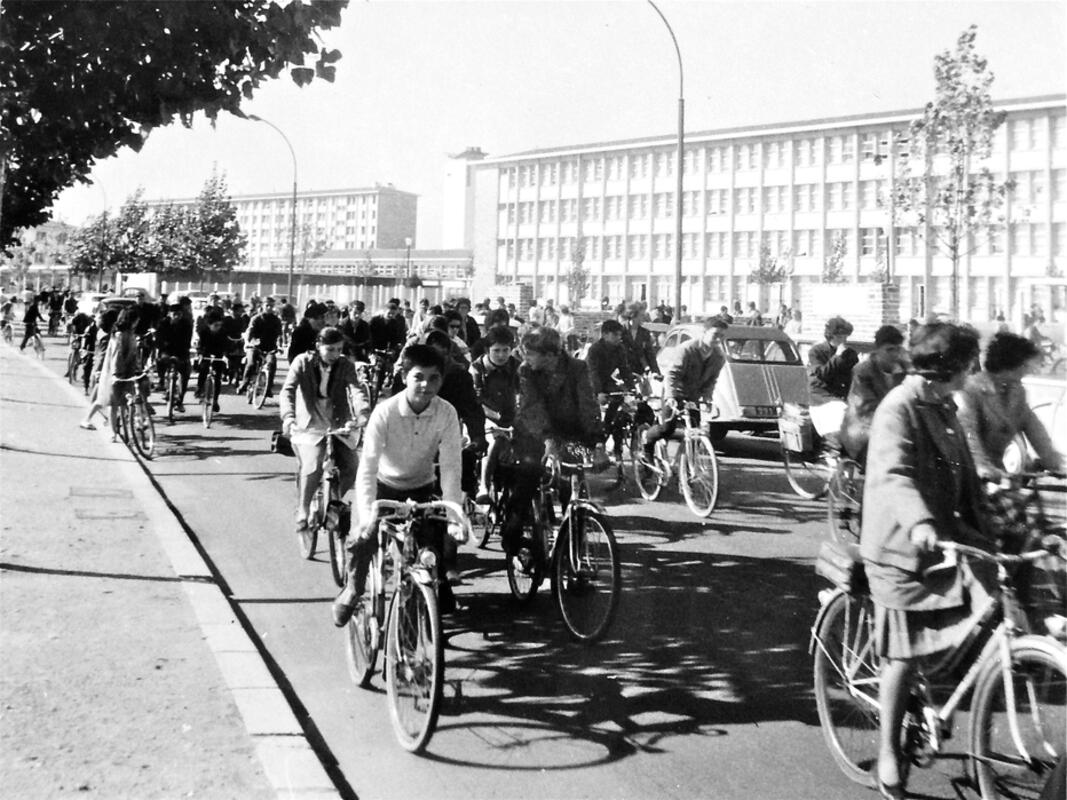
(1030, 188)
(340, 203)
(1024, 240)
(1024, 134)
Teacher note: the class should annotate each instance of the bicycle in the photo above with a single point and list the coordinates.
(7, 331)
(582, 558)
(260, 386)
(1018, 727)
(695, 461)
(381, 369)
(810, 460)
(414, 645)
(211, 388)
(844, 498)
(172, 382)
(75, 357)
(633, 410)
(329, 512)
(135, 419)
(492, 518)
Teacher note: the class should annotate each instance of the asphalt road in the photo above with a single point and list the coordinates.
(702, 689)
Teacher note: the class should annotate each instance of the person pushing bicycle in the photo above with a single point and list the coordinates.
(690, 379)
(405, 436)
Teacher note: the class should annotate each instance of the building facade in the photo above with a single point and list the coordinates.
(796, 192)
(328, 219)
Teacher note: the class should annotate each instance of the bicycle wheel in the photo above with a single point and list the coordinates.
(526, 567)
(846, 685)
(844, 497)
(806, 473)
(143, 429)
(207, 399)
(648, 477)
(1039, 690)
(170, 386)
(309, 535)
(700, 479)
(364, 635)
(124, 423)
(338, 538)
(414, 663)
(586, 582)
(259, 389)
(72, 367)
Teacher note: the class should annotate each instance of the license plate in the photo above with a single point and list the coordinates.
(761, 411)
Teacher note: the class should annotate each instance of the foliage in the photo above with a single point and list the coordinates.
(577, 276)
(91, 249)
(217, 241)
(80, 81)
(771, 269)
(833, 269)
(943, 183)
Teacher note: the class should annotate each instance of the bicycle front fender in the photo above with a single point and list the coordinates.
(583, 503)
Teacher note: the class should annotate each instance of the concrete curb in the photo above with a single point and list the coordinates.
(289, 761)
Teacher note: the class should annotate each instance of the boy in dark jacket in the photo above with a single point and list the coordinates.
(496, 385)
(609, 371)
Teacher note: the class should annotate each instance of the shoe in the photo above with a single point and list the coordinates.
(269, 394)
(301, 526)
(215, 407)
(87, 426)
(242, 388)
(179, 407)
(482, 499)
(344, 607)
(453, 577)
(894, 791)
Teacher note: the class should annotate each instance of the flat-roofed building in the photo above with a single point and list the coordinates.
(788, 190)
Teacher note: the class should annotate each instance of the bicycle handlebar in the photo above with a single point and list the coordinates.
(405, 509)
(1050, 545)
(133, 378)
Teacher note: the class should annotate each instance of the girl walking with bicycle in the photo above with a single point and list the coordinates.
(121, 362)
(921, 488)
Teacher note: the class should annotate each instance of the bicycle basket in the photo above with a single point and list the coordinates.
(280, 444)
(795, 429)
(842, 566)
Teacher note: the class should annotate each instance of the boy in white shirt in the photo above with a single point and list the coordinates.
(406, 434)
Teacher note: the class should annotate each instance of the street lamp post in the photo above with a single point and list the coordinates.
(292, 227)
(680, 167)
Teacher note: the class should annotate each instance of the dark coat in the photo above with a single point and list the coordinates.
(829, 374)
(641, 349)
(918, 470)
(869, 387)
(694, 374)
(556, 403)
(604, 359)
(302, 341)
(497, 388)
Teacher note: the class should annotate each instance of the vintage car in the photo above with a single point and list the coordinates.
(763, 370)
(1047, 396)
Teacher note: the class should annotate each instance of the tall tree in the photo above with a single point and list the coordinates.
(943, 180)
(833, 268)
(172, 252)
(216, 240)
(133, 243)
(79, 81)
(92, 249)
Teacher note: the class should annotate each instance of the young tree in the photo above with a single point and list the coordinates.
(833, 268)
(172, 253)
(132, 235)
(943, 183)
(80, 81)
(770, 269)
(92, 250)
(577, 277)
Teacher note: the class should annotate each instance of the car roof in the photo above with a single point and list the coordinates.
(737, 331)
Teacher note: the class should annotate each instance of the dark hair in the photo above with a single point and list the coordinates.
(127, 320)
(716, 322)
(330, 335)
(1008, 351)
(459, 301)
(610, 326)
(436, 322)
(501, 334)
(315, 310)
(453, 316)
(359, 306)
(437, 310)
(436, 338)
(939, 350)
(543, 340)
(421, 355)
(837, 326)
(888, 334)
(498, 316)
(212, 315)
(107, 320)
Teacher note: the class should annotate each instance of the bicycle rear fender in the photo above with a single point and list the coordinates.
(826, 601)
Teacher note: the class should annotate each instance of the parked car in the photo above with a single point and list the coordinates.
(117, 302)
(89, 302)
(763, 370)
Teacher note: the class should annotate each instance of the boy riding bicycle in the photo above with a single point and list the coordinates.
(405, 436)
(174, 338)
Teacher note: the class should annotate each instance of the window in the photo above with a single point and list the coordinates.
(775, 199)
(804, 152)
(870, 192)
(774, 155)
(593, 170)
(664, 164)
(615, 168)
(716, 159)
(613, 207)
(745, 200)
(1029, 187)
(638, 246)
(570, 172)
(692, 161)
(804, 243)
(639, 166)
(869, 241)
(664, 246)
(1023, 134)
(1059, 185)
(1058, 131)
(804, 197)
(842, 149)
(591, 209)
(568, 210)
(1059, 238)
(745, 157)
(716, 201)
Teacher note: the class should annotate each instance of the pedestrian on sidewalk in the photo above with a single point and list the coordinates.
(122, 360)
(105, 323)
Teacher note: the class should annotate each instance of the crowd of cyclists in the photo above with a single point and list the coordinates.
(417, 402)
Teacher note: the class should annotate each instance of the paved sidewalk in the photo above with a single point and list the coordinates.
(124, 672)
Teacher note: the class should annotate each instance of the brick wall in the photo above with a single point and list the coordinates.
(868, 306)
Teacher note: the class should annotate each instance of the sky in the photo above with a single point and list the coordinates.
(421, 80)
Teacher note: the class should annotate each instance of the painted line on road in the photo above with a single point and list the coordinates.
(289, 761)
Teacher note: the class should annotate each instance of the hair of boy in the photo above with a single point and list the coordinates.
(421, 355)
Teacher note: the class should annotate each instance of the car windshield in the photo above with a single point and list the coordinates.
(762, 351)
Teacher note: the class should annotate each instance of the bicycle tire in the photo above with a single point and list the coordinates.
(363, 641)
(649, 481)
(700, 481)
(338, 536)
(124, 423)
(259, 389)
(309, 535)
(143, 429)
(207, 400)
(844, 499)
(587, 594)
(1039, 686)
(846, 685)
(526, 571)
(170, 384)
(807, 476)
(414, 663)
